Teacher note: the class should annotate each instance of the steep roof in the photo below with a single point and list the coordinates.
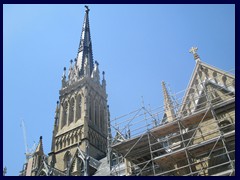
(204, 74)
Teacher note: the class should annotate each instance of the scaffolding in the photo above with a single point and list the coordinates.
(199, 141)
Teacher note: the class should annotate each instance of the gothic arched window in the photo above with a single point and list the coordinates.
(57, 146)
(68, 141)
(76, 138)
(90, 108)
(71, 111)
(79, 107)
(60, 145)
(224, 80)
(206, 72)
(67, 160)
(64, 143)
(72, 139)
(215, 77)
(101, 119)
(64, 113)
(96, 121)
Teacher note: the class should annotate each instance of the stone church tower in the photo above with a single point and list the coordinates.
(82, 113)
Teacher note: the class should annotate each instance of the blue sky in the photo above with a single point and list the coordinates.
(137, 46)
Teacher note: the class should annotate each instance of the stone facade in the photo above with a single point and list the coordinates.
(198, 139)
(81, 116)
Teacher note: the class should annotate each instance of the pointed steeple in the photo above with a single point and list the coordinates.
(169, 113)
(85, 46)
(39, 149)
(37, 157)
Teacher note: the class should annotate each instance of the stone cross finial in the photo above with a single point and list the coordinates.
(193, 50)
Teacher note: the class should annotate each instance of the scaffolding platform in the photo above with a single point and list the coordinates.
(181, 146)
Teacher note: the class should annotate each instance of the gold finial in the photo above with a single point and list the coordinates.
(193, 50)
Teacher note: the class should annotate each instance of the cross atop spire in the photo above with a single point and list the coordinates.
(87, 9)
(193, 50)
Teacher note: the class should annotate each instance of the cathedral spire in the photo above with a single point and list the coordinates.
(85, 46)
(169, 114)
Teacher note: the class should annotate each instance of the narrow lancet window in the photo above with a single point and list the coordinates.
(71, 111)
(79, 107)
(64, 114)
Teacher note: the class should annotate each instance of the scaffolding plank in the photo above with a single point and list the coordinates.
(196, 117)
(128, 143)
(193, 148)
(165, 129)
(174, 154)
(173, 127)
(137, 148)
(225, 173)
(226, 104)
